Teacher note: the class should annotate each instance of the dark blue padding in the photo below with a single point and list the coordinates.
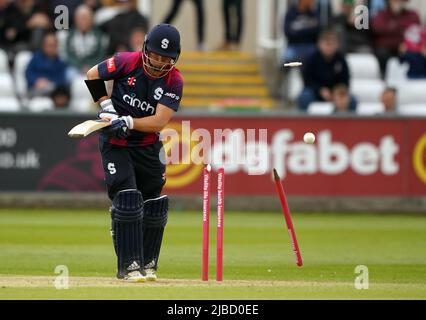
(154, 222)
(127, 218)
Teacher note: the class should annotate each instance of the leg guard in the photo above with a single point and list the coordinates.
(127, 215)
(154, 222)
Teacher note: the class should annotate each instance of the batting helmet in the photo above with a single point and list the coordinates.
(164, 40)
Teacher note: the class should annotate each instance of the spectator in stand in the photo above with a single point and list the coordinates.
(351, 39)
(341, 99)
(413, 51)
(122, 24)
(374, 6)
(93, 4)
(61, 97)
(136, 39)
(23, 26)
(46, 71)
(323, 70)
(389, 99)
(234, 21)
(85, 43)
(388, 28)
(199, 7)
(108, 3)
(3, 6)
(301, 28)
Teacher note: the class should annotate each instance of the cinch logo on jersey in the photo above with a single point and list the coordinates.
(111, 65)
(135, 102)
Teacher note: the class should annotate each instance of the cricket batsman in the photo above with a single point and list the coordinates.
(146, 94)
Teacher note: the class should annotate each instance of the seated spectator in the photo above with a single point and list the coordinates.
(323, 70)
(374, 6)
(301, 28)
(46, 71)
(136, 40)
(389, 99)
(108, 3)
(351, 39)
(23, 25)
(3, 8)
(388, 28)
(61, 97)
(122, 24)
(84, 45)
(341, 99)
(413, 51)
(93, 4)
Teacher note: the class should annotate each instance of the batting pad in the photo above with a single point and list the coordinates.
(127, 216)
(154, 222)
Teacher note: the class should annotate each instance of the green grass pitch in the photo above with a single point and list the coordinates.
(258, 261)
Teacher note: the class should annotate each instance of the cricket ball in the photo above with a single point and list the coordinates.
(309, 137)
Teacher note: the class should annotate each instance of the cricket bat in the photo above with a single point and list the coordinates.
(87, 127)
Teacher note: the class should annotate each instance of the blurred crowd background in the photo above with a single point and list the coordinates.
(380, 68)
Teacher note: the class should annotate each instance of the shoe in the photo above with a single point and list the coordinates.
(134, 276)
(150, 274)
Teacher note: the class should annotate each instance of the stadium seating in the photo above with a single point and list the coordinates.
(370, 108)
(320, 108)
(80, 96)
(367, 90)
(412, 92)
(366, 84)
(396, 73)
(62, 35)
(9, 104)
(4, 62)
(415, 109)
(38, 104)
(6, 85)
(363, 66)
(21, 61)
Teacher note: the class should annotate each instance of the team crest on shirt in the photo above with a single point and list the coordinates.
(131, 81)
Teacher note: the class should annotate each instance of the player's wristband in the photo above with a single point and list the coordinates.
(107, 105)
(96, 88)
(129, 121)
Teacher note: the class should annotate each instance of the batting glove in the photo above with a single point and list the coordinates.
(120, 127)
(108, 110)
